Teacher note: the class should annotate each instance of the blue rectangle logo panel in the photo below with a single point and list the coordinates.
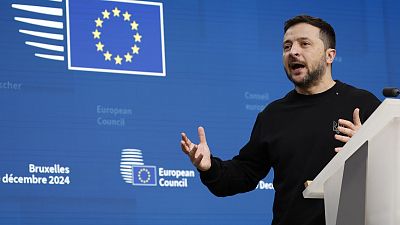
(144, 175)
(116, 37)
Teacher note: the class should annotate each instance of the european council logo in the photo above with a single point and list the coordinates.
(133, 170)
(144, 175)
(112, 36)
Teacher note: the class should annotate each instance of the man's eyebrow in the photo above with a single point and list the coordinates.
(297, 39)
(303, 38)
(287, 41)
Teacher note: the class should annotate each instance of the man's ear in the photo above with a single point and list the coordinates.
(330, 55)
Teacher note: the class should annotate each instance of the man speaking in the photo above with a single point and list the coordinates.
(294, 135)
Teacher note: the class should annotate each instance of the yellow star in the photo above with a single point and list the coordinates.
(116, 11)
(107, 56)
(99, 22)
(99, 46)
(138, 37)
(134, 25)
(135, 49)
(118, 60)
(127, 16)
(106, 14)
(128, 57)
(96, 34)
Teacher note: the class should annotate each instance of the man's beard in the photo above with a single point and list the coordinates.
(312, 78)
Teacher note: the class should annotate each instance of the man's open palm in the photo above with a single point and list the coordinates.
(199, 154)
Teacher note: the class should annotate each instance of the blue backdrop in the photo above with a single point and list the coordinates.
(88, 140)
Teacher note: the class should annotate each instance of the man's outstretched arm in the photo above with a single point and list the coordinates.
(228, 177)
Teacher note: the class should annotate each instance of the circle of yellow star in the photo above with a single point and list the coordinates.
(118, 60)
(138, 37)
(147, 175)
(107, 56)
(116, 12)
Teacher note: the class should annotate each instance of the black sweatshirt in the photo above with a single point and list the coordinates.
(295, 136)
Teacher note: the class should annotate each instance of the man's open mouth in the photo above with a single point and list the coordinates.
(296, 65)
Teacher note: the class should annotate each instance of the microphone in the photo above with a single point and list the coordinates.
(391, 92)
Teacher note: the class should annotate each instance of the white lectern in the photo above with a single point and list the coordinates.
(361, 184)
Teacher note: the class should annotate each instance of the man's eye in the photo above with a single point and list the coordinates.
(286, 47)
(305, 43)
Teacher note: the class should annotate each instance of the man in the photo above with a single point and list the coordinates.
(293, 135)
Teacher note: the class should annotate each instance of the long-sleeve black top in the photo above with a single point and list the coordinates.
(295, 136)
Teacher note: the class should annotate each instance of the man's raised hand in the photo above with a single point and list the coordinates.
(199, 154)
(348, 128)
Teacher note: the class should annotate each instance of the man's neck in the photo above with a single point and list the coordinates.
(323, 85)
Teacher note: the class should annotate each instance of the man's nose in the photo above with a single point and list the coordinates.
(295, 50)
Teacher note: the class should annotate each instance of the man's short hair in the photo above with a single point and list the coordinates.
(326, 33)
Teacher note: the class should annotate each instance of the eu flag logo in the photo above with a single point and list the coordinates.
(116, 36)
(144, 175)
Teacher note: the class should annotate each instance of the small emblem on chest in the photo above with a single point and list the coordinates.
(335, 126)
